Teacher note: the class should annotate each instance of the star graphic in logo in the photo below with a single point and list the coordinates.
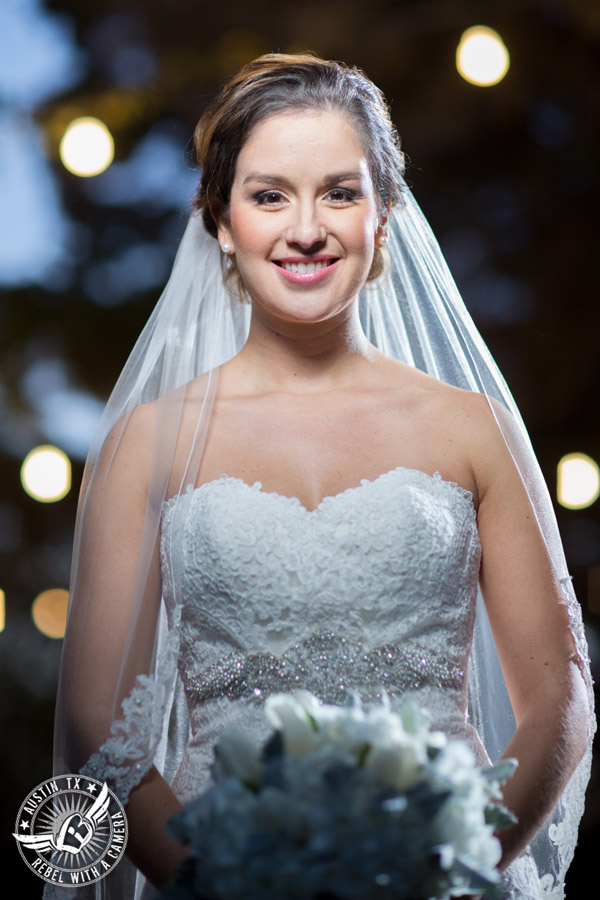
(91, 788)
(24, 825)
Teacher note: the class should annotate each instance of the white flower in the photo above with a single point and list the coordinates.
(455, 764)
(416, 722)
(346, 728)
(398, 766)
(294, 816)
(309, 703)
(287, 714)
(236, 754)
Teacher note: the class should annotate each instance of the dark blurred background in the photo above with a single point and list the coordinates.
(508, 176)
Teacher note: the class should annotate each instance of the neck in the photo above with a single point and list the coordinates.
(305, 357)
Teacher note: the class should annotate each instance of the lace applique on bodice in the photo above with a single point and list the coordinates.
(373, 590)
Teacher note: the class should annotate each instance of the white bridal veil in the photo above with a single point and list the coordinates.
(120, 707)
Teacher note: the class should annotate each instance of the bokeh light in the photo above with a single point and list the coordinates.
(46, 474)
(87, 147)
(481, 56)
(578, 481)
(49, 612)
(2, 610)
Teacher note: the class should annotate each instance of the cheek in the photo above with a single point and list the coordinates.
(362, 237)
(250, 232)
(360, 233)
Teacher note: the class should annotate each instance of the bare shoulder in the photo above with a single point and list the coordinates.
(133, 431)
(472, 429)
(134, 437)
(126, 454)
(453, 407)
(484, 429)
(181, 405)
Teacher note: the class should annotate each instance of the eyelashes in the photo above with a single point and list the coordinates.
(344, 194)
(268, 198)
(275, 199)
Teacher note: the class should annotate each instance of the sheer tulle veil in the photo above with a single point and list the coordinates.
(120, 708)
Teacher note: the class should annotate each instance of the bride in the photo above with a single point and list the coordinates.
(309, 457)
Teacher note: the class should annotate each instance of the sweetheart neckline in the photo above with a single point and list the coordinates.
(436, 478)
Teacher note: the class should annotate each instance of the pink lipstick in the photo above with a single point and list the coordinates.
(304, 270)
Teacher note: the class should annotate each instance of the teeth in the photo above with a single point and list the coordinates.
(305, 268)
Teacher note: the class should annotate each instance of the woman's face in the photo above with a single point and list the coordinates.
(303, 219)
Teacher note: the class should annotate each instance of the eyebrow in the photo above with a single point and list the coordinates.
(282, 180)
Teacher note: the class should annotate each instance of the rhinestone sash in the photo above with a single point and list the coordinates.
(328, 666)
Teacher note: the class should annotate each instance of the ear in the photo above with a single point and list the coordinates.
(381, 234)
(224, 235)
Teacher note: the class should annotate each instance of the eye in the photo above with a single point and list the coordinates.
(342, 195)
(269, 198)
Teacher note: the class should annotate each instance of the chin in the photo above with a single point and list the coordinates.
(307, 314)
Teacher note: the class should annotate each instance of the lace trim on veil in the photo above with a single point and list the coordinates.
(130, 752)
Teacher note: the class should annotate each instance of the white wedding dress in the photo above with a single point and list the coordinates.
(374, 590)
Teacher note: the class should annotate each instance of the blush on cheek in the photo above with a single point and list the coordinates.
(249, 230)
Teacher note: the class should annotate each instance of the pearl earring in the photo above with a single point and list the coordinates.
(226, 248)
(383, 238)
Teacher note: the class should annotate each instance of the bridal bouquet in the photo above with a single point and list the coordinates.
(342, 803)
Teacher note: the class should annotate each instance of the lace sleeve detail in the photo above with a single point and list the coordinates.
(124, 758)
(129, 753)
(563, 825)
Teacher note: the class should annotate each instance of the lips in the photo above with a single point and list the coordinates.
(299, 270)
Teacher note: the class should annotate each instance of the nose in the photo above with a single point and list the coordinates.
(306, 229)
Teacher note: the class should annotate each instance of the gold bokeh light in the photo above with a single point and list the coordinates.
(46, 474)
(481, 56)
(49, 612)
(2, 610)
(578, 481)
(87, 147)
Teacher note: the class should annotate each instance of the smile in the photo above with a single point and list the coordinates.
(303, 267)
(301, 272)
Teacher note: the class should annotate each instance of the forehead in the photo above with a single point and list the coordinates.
(298, 138)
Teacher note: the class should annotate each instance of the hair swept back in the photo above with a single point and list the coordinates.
(279, 82)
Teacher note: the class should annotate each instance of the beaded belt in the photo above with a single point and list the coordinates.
(328, 666)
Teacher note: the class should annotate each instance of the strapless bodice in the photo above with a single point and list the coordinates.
(372, 591)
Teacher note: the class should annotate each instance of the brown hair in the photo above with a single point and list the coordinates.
(278, 82)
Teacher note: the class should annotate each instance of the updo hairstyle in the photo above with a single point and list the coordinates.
(278, 82)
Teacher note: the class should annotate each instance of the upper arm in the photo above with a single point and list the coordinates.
(527, 612)
(115, 587)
